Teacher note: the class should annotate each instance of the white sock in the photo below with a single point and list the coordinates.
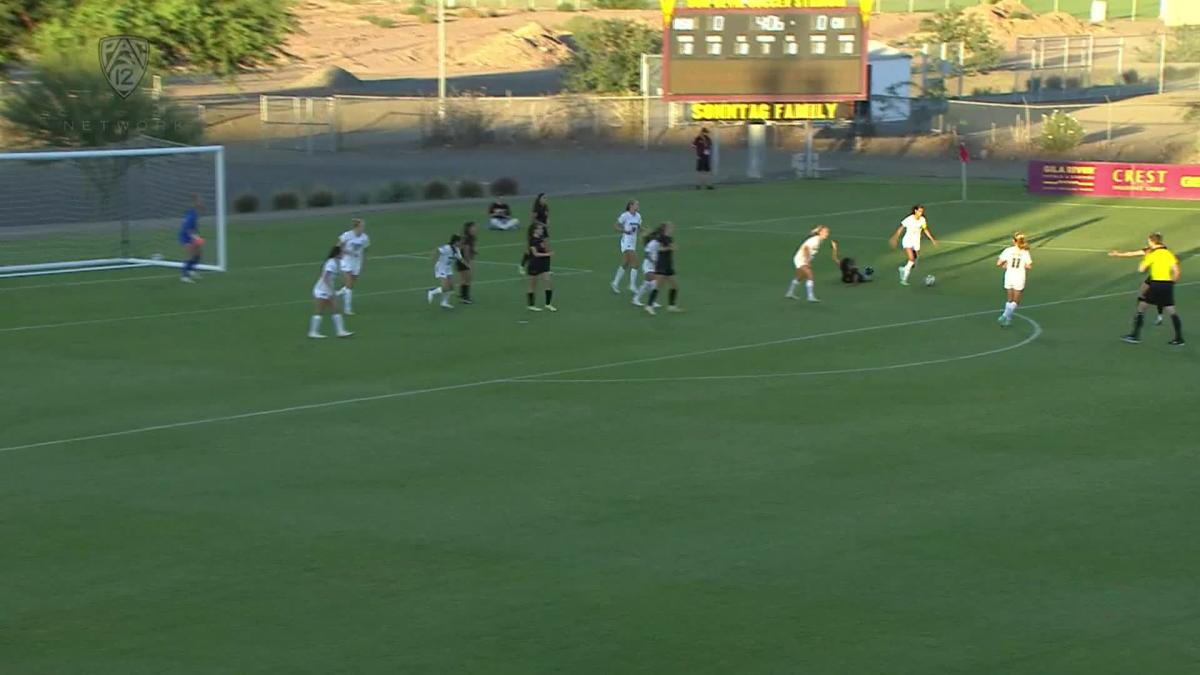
(908, 266)
(348, 299)
(808, 287)
(792, 286)
(337, 323)
(314, 324)
(437, 291)
(617, 276)
(633, 277)
(1009, 308)
(641, 291)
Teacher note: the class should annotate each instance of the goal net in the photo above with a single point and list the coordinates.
(77, 211)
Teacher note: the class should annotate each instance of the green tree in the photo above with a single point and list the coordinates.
(607, 58)
(69, 104)
(953, 26)
(18, 21)
(217, 37)
(1060, 132)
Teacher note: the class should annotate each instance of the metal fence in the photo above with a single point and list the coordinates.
(1117, 9)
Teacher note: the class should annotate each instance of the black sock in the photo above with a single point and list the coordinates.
(672, 294)
(529, 298)
(653, 297)
(549, 296)
(1178, 326)
(464, 291)
(1138, 320)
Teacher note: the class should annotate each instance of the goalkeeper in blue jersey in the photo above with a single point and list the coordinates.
(192, 242)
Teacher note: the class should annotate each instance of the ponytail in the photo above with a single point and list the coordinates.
(334, 252)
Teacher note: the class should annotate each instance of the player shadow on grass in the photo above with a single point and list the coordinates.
(1039, 240)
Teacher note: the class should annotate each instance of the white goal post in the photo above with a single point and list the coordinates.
(87, 210)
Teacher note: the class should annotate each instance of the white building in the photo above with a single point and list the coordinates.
(890, 73)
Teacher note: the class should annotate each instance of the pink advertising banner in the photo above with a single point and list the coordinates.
(1115, 179)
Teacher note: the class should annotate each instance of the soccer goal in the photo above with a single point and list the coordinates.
(78, 211)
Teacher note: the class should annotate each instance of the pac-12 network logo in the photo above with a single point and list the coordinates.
(124, 59)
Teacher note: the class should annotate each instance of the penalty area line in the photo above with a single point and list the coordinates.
(240, 308)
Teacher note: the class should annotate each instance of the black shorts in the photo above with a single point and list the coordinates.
(537, 266)
(1160, 294)
(704, 164)
(461, 266)
(668, 271)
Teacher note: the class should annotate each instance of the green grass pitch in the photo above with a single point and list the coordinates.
(886, 482)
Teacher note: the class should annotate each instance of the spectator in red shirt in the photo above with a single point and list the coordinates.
(703, 147)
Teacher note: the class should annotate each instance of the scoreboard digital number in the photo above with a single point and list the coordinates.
(813, 54)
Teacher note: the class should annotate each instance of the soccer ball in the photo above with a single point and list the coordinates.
(930, 280)
(868, 272)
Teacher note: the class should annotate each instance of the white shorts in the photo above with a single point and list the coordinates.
(1014, 283)
(440, 272)
(351, 265)
(647, 267)
(911, 242)
(322, 292)
(628, 243)
(800, 261)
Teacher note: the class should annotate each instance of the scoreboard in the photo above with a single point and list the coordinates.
(800, 52)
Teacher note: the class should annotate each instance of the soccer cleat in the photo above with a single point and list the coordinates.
(616, 289)
(534, 308)
(521, 270)
(673, 308)
(466, 301)
(344, 333)
(446, 305)
(1132, 339)
(187, 280)
(348, 313)
(429, 296)
(1158, 321)
(316, 336)
(633, 290)
(1007, 321)
(636, 302)
(650, 309)
(657, 306)
(1177, 342)
(791, 296)
(813, 298)
(551, 308)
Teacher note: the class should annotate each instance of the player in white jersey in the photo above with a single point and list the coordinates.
(913, 228)
(804, 258)
(445, 258)
(324, 296)
(355, 243)
(649, 261)
(629, 223)
(1015, 260)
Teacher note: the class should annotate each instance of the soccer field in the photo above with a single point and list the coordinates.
(885, 482)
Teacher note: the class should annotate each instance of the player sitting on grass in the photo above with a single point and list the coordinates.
(500, 217)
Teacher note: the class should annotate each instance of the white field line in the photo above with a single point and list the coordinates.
(829, 214)
(1135, 207)
(1037, 333)
(521, 378)
(954, 242)
(419, 255)
(238, 308)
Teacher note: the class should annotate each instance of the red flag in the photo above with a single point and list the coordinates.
(964, 155)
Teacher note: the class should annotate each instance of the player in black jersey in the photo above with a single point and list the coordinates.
(541, 214)
(538, 267)
(664, 269)
(463, 266)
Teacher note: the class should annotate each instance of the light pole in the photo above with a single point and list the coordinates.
(441, 39)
